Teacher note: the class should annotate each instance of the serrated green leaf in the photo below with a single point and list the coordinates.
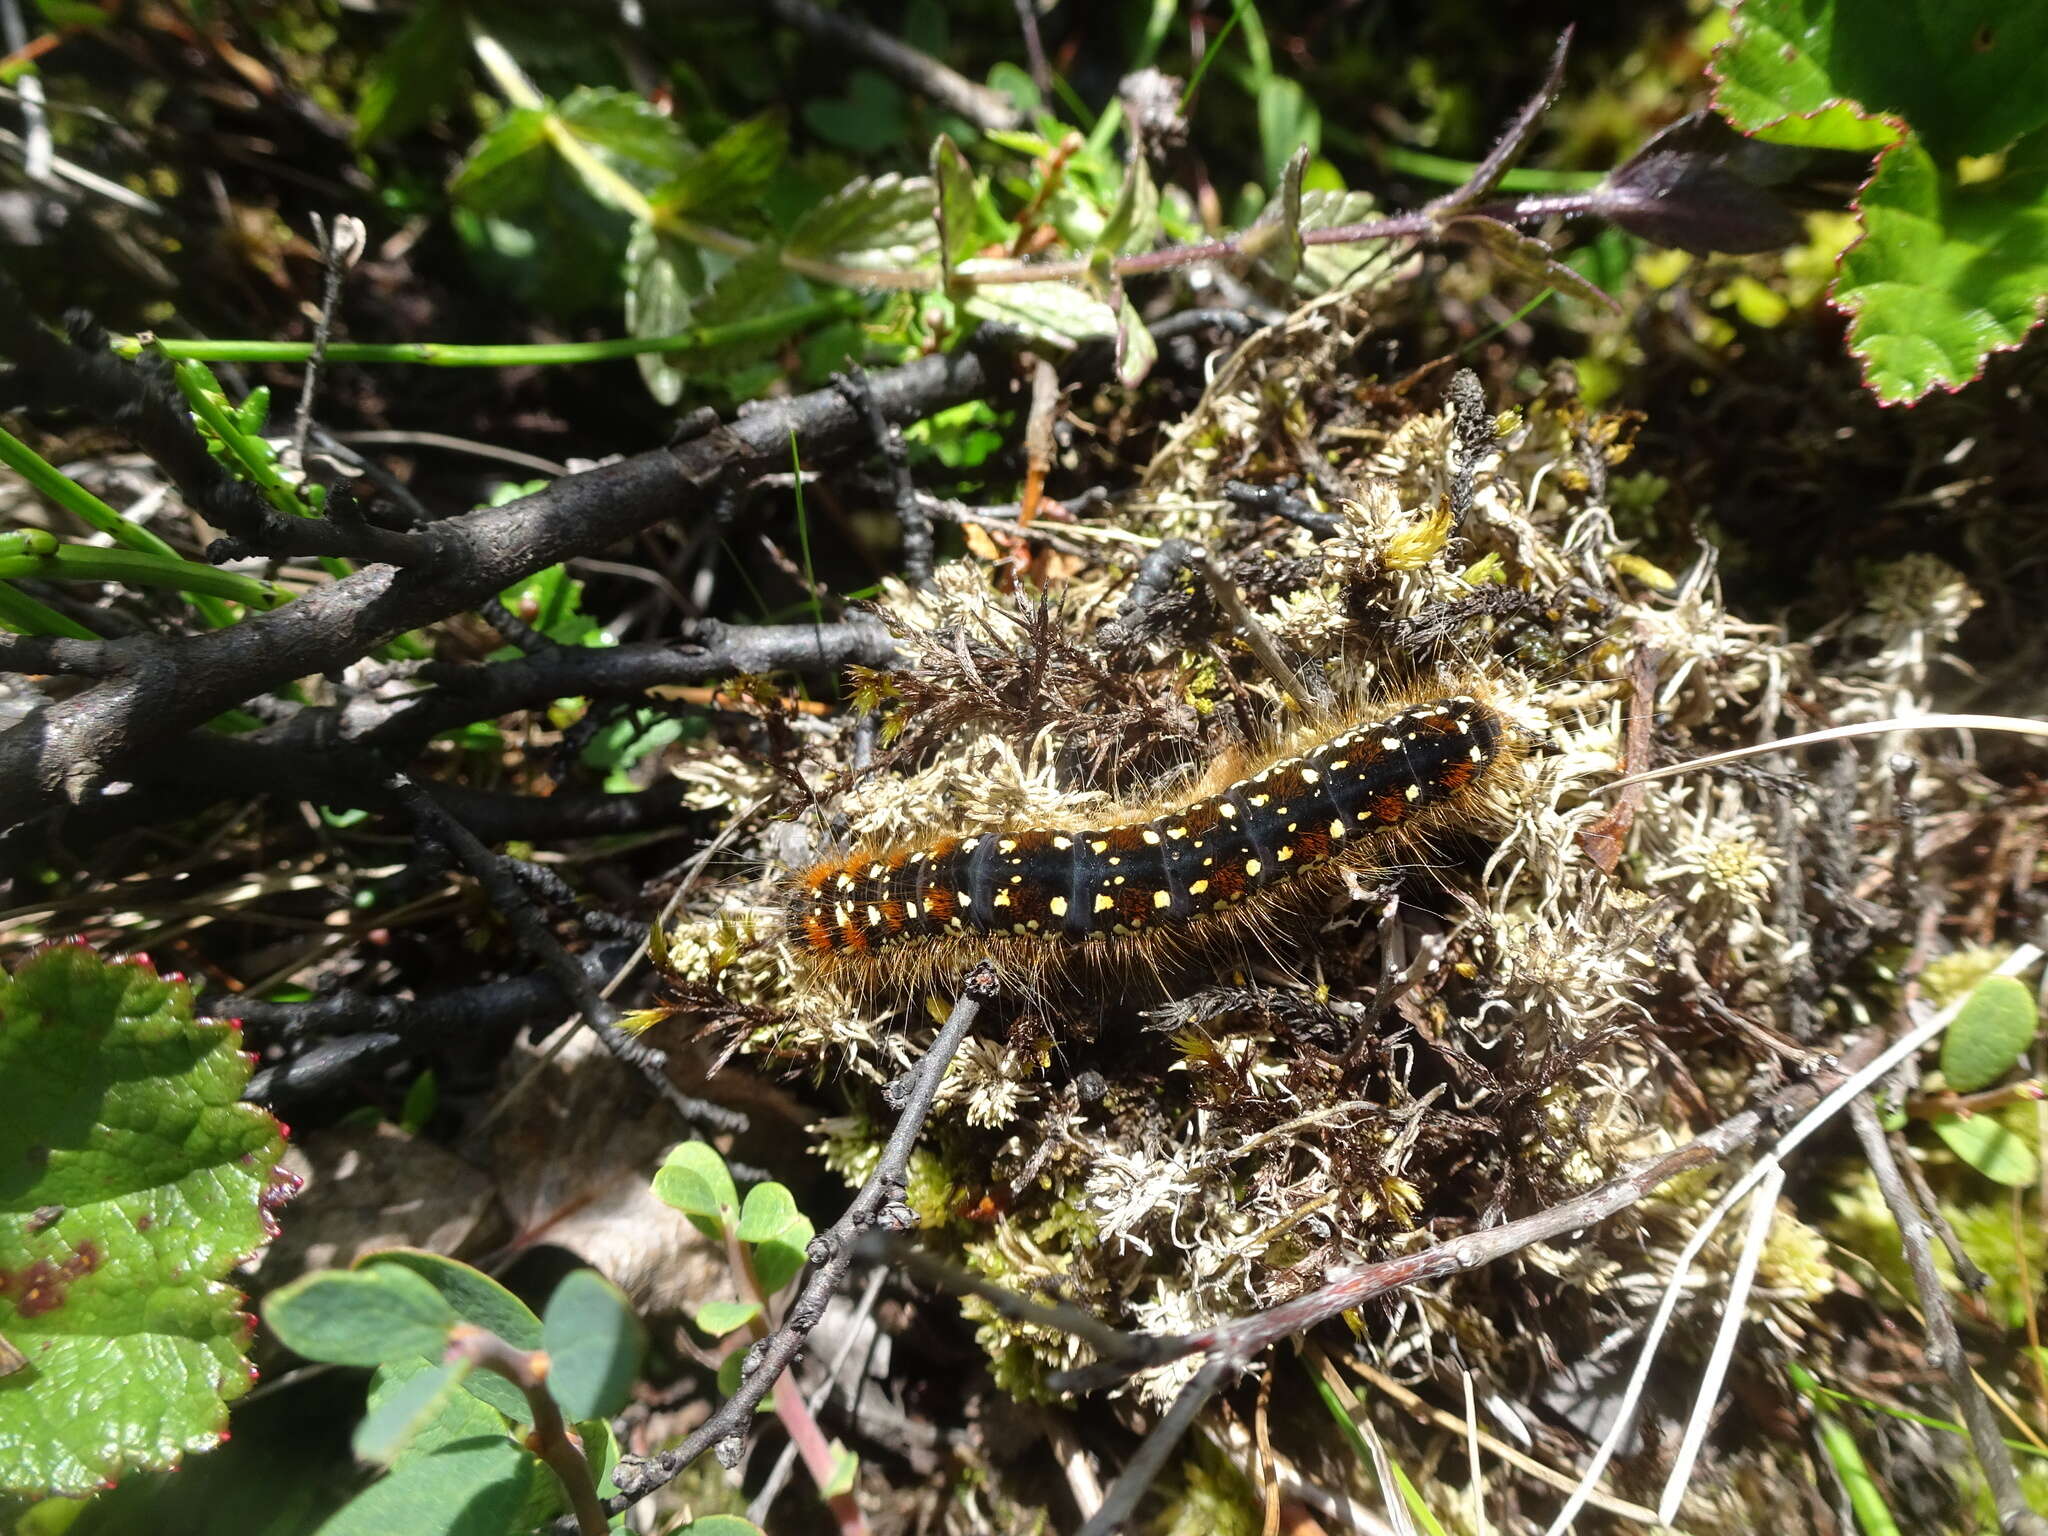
(696, 1182)
(768, 1212)
(1051, 313)
(883, 223)
(1337, 268)
(730, 172)
(594, 1343)
(1991, 1032)
(1133, 220)
(955, 205)
(1136, 351)
(1968, 79)
(1990, 1147)
(415, 75)
(353, 1317)
(388, 1429)
(1945, 274)
(469, 1488)
(665, 280)
(629, 134)
(132, 1179)
(718, 1318)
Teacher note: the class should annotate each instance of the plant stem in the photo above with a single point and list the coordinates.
(435, 354)
(130, 567)
(528, 1371)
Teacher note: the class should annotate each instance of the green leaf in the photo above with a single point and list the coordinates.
(666, 281)
(777, 1261)
(1133, 221)
(1136, 351)
(356, 1317)
(1530, 258)
(721, 1525)
(731, 172)
(474, 1295)
(1288, 120)
(1990, 1033)
(415, 76)
(696, 1182)
(957, 205)
(718, 1318)
(473, 1487)
(629, 134)
(460, 1415)
(729, 1371)
(769, 1211)
(392, 1424)
(1945, 274)
(845, 1472)
(1052, 313)
(421, 1100)
(881, 222)
(867, 119)
(132, 1179)
(1968, 79)
(1335, 268)
(594, 1343)
(1988, 1145)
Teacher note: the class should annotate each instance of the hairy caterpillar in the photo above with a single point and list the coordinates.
(1247, 846)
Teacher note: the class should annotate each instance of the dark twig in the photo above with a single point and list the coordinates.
(504, 889)
(56, 655)
(1279, 501)
(1944, 1347)
(65, 751)
(340, 244)
(1150, 1458)
(848, 34)
(1155, 577)
(879, 1203)
(910, 512)
(1034, 47)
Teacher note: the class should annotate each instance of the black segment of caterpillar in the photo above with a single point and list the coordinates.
(1243, 849)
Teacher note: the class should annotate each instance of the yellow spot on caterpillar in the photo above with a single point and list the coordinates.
(1031, 923)
(876, 871)
(1176, 831)
(1002, 899)
(970, 845)
(1104, 902)
(1226, 809)
(1252, 866)
(1337, 827)
(1310, 776)
(1016, 879)
(1119, 880)
(1063, 842)
(1284, 852)
(846, 882)
(1341, 763)
(1151, 837)
(1161, 899)
(910, 909)
(1007, 845)
(1018, 928)
(874, 917)
(1195, 888)
(1114, 859)
(1413, 792)
(919, 857)
(1258, 799)
(1392, 743)
(1099, 845)
(1057, 906)
(1477, 754)
(965, 898)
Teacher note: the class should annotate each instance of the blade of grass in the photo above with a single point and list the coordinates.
(25, 616)
(1409, 1495)
(803, 532)
(1866, 1499)
(135, 568)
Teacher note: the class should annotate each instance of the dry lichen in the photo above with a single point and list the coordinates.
(1464, 1037)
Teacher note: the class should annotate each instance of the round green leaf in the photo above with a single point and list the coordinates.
(474, 1295)
(132, 1179)
(696, 1182)
(1989, 1035)
(594, 1343)
(1991, 1148)
(476, 1487)
(718, 1318)
(777, 1261)
(769, 1210)
(392, 1424)
(353, 1317)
